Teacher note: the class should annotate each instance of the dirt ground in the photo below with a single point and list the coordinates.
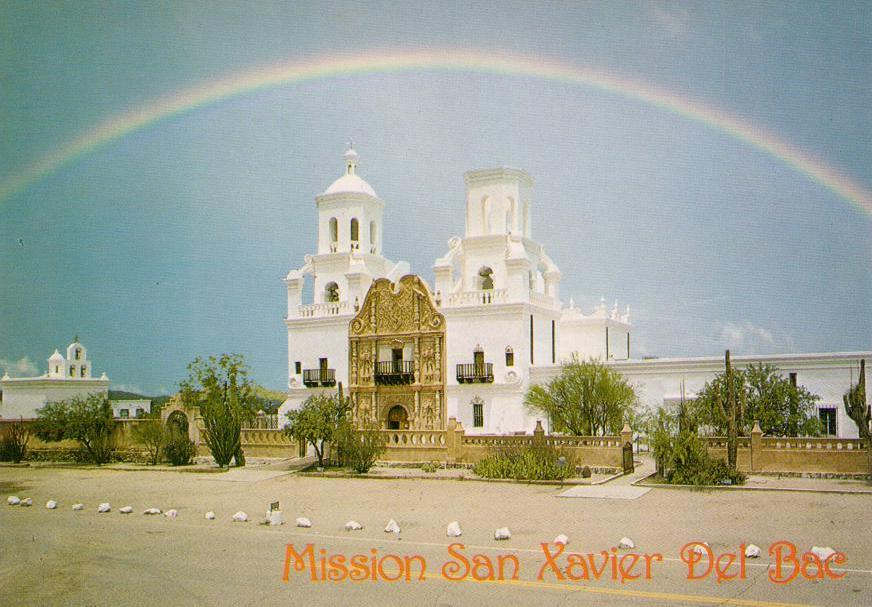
(61, 557)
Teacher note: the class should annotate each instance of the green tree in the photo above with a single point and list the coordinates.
(318, 421)
(151, 434)
(360, 448)
(87, 420)
(858, 411)
(763, 394)
(586, 399)
(220, 387)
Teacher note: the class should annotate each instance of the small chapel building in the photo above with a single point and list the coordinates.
(66, 378)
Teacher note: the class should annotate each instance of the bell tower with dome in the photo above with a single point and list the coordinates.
(335, 278)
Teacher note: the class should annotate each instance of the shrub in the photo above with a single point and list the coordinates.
(527, 462)
(13, 441)
(179, 450)
(360, 448)
(692, 464)
(152, 435)
(430, 467)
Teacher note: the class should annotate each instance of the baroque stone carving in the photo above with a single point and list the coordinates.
(397, 316)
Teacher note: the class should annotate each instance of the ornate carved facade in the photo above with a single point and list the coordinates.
(396, 354)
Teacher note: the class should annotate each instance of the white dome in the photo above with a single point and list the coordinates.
(56, 357)
(350, 184)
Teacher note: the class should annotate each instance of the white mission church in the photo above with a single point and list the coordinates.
(492, 324)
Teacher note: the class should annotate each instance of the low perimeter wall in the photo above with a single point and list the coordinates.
(772, 455)
(453, 446)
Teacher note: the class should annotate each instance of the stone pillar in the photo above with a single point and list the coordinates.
(756, 447)
(626, 435)
(454, 441)
(538, 433)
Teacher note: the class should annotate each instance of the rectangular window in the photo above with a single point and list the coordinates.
(322, 364)
(82, 372)
(828, 420)
(477, 415)
(72, 371)
(298, 367)
(123, 413)
(793, 379)
(510, 357)
(140, 412)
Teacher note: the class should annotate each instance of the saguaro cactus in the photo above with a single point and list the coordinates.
(858, 410)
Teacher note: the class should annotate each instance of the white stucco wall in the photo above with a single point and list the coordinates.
(24, 395)
(829, 375)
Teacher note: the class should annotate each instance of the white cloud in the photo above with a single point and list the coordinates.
(23, 367)
(750, 339)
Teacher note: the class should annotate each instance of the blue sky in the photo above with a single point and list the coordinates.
(172, 242)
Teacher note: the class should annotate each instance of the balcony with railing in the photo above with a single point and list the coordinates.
(475, 373)
(396, 372)
(317, 378)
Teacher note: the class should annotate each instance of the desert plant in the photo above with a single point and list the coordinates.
(13, 441)
(526, 462)
(859, 412)
(179, 449)
(761, 393)
(586, 399)
(225, 396)
(151, 434)
(691, 464)
(318, 422)
(87, 420)
(430, 467)
(360, 448)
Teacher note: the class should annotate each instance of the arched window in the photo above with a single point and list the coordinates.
(486, 280)
(355, 230)
(331, 292)
(510, 357)
(78, 353)
(373, 237)
(334, 233)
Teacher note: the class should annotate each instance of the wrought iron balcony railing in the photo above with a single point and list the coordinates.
(395, 372)
(315, 378)
(475, 373)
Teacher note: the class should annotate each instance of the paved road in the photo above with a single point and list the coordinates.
(84, 558)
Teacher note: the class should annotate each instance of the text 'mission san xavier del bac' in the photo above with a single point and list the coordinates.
(787, 565)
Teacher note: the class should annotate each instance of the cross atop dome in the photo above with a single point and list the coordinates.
(350, 159)
(350, 182)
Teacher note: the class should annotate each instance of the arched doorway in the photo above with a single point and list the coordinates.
(398, 418)
(178, 421)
